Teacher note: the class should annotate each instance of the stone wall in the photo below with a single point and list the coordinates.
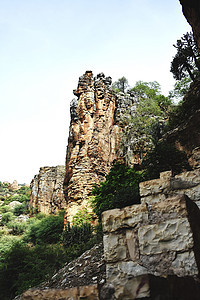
(47, 190)
(95, 129)
(166, 186)
(152, 249)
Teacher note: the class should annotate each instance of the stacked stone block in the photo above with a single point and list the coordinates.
(186, 183)
(149, 241)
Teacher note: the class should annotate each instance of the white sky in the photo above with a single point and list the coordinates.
(45, 45)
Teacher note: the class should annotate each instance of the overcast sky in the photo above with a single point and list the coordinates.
(45, 45)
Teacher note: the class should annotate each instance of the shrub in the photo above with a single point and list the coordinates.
(17, 228)
(6, 243)
(23, 267)
(77, 234)
(81, 217)
(47, 230)
(21, 209)
(6, 217)
(5, 208)
(120, 189)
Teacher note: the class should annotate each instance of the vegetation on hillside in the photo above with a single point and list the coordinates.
(32, 249)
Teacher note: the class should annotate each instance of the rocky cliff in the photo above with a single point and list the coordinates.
(186, 135)
(47, 190)
(151, 250)
(96, 125)
(191, 10)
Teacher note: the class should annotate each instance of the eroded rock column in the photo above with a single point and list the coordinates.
(93, 139)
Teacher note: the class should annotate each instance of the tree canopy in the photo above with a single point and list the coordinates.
(144, 128)
(187, 59)
(120, 189)
(120, 85)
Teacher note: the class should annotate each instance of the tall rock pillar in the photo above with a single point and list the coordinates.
(93, 139)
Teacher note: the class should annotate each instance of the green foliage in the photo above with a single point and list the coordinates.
(81, 217)
(120, 189)
(164, 157)
(5, 208)
(78, 239)
(6, 242)
(120, 85)
(46, 230)
(187, 59)
(6, 217)
(21, 209)
(23, 267)
(17, 228)
(20, 198)
(77, 234)
(181, 87)
(185, 108)
(145, 127)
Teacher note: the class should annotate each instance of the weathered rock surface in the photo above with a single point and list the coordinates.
(186, 136)
(156, 239)
(76, 293)
(47, 190)
(96, 125)
(14, 186)
(187, 183)
(191, 10)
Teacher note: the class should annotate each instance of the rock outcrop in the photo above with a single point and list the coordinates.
(96, 125)
(47, 190)
(14, 186)
(191, 10)
(152, 249)
(186, 183)
(186, 135)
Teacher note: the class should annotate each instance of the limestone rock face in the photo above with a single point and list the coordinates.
(93, 137)
(47, 190)
(153, 240)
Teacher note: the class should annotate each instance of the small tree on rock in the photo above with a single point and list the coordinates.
(121, 84)
(187, 59)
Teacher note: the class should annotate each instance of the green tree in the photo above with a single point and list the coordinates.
(144, 128)
(181, 87)
(120, 85)
(186, 61)
(120, 189)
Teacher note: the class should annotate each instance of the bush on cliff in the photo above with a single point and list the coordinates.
(120, 189)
